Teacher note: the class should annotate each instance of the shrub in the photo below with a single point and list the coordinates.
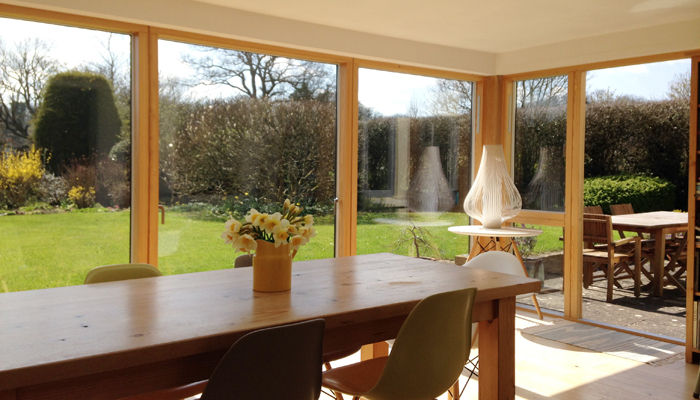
(52, 189)
(20, 173)
(645, 193)
(77, 119)
(82, 197)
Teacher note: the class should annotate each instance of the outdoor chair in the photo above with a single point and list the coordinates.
(592, 210)
(428, 355)
(609, 259)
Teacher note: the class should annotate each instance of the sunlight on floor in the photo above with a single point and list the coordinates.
(547, 369)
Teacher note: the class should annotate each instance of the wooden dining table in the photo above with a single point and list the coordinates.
(115, 339)
(658, 224)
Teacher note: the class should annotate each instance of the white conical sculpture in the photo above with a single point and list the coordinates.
(493, 197)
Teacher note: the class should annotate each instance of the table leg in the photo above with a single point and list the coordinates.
(373, 350)
(497, 353)
(657, 265)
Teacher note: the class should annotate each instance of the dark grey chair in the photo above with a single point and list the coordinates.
(282, 362)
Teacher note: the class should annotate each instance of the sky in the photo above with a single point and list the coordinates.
(387, 93)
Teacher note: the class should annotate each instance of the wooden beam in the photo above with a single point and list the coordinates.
(346, 204)
(573, 223)
(690, 325)
(140, 131)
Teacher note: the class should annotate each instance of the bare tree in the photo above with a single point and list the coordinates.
(541, 91)
(259, 76)
(679, 89)
(24, 71)
(453, 97)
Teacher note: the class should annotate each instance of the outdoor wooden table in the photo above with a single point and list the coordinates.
(658, 224)
(108, 340)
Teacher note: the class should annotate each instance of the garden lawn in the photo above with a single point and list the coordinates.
(51, 250)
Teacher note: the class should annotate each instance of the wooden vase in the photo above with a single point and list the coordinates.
(272, 268)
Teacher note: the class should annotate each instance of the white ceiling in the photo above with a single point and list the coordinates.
(487, 25)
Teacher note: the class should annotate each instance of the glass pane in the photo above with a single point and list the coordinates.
(65, 130)
(414, 163)
(238, 131)
(540, 137)
(637, 124)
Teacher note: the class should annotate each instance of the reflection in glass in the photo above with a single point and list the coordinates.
(540, 137)
(414, 163)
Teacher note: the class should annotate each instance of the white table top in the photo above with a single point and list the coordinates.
(479, 230)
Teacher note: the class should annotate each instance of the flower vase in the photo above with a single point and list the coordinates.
(272, 267)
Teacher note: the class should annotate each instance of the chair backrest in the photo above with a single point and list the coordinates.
(430, 350)
(120, 272)
(497, 261)
(617, 209)
(282, 362)
(244, 260)
(592, 209)
(597, 228)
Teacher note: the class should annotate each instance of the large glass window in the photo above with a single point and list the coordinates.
(415, 136)
(636, 162)
(539, 173)
(65, 159)
(241, 130)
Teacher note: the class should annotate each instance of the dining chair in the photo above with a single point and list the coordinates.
(120, 272)
(244, 260)
(612, 258)
(289, 354)
(428, 355)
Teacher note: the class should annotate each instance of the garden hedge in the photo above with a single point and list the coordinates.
(645, 193)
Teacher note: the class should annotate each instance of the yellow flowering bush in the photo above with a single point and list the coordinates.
(278, 228)
(20, 173)
(81, 196)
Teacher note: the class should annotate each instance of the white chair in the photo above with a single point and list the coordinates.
(503, 262)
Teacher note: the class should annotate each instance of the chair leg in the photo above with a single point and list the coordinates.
(537, 306)
(610, 272)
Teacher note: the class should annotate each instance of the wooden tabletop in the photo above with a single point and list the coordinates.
(479, 230)
(60, 333)
(651, 220)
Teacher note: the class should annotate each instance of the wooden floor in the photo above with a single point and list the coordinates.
(547, 369)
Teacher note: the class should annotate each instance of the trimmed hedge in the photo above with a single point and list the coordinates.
(645, 193)
(77, 119)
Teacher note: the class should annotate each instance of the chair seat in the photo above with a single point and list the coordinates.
(355, 379)
(597, 254)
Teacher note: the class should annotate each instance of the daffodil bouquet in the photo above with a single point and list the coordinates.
(278, 228)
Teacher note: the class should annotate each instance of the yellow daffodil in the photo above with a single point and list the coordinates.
(246, 243)
(230, 237)
(271, 222)
(308, 219)
(307, 232)
(252, 216)
(297, 241)
(232, 225)
(280, 237)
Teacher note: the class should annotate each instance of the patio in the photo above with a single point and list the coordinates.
(658, 315)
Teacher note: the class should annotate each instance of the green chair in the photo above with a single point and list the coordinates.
(120, 272)
(427, 357)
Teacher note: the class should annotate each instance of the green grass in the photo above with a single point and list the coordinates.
(51, 250)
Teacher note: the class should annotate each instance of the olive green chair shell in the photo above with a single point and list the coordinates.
(428, 355)
(119, 272)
